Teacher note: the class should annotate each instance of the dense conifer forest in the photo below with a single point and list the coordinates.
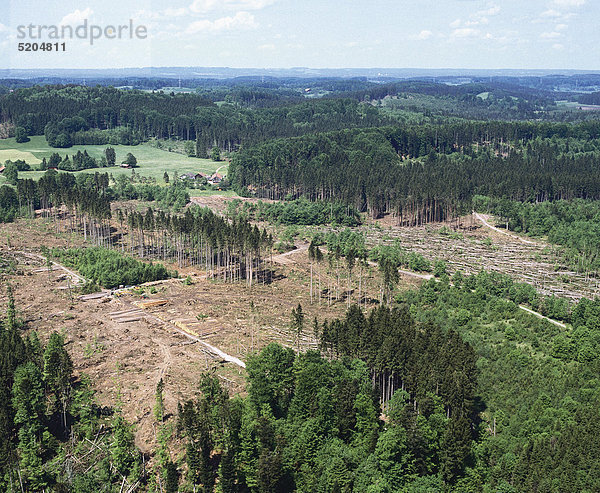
(426, 173)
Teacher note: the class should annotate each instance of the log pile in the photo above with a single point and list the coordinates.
(124, 316)
(537, 264)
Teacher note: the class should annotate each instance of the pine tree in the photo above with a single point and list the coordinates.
(171, 478)
(29, 405)
(111, 156)
(159, 408)
(58, 369)
(227, 472)
(298, 323)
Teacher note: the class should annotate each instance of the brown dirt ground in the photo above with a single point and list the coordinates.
(128, 359)
(218, 203)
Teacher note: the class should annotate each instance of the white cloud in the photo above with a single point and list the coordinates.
(481, 17)
(558, 46)
(551, 13)
(561, 27)
(241, 20)
(465, 32)
(202, 6)
(483, 20)
(267, 47)
(76, 17)
(569, 3)
(250, 4)
(424, 34)
(550, 35)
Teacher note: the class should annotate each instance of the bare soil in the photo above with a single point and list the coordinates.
(126, 359)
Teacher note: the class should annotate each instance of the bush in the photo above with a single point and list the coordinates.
(21, 135)
(109, 268)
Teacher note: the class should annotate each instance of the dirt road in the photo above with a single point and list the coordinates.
(498, 230)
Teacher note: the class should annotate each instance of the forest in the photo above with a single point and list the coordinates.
(300, 211)
(69, 115)
(421, 381)
(425, 173)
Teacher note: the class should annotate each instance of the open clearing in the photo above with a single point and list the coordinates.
(474, 245)
(126, 349)
(152, 162)
(126, 345)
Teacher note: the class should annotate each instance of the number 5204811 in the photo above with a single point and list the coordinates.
(42, 46)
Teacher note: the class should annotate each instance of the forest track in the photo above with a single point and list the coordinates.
(543, 317)
(77, 279)
(408, 273)
(426, 277)
(498, 230)
(282, 258)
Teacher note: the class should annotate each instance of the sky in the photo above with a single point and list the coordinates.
(516, 34)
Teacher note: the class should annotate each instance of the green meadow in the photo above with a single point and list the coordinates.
(151, 161)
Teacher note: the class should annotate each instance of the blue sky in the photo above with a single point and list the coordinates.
(549, 34)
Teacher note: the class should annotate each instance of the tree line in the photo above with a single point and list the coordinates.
(422, 174)
(70, 115)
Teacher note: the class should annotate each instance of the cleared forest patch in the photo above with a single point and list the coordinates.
(126, 343)
(470, 246)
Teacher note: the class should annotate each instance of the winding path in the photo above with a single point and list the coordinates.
(498, 230)
(282, 257)
(221, 167)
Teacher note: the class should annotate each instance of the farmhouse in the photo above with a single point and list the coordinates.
(192, 176)
(215, 179)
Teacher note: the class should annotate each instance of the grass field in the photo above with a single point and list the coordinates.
(14, 155)
(151, 161)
